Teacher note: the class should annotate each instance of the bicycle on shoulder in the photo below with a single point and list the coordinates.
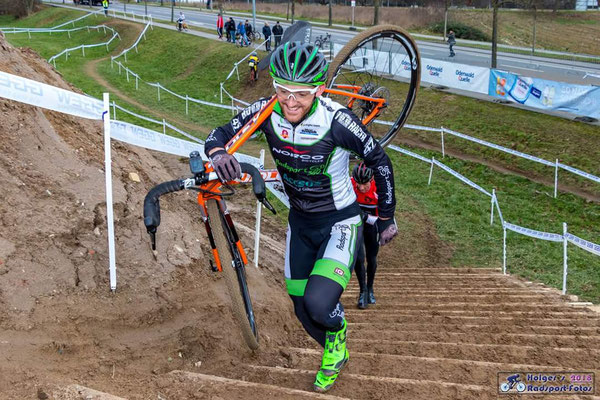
(376, 75)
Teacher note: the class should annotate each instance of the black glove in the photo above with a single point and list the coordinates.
(387, 230)
(226, 166)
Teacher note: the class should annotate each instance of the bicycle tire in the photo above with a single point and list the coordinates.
(318, 43)
(235, 278)
(397, 104)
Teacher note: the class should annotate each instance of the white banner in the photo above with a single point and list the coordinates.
(41, 95)
(152, 140)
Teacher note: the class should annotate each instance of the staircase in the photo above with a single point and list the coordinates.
(433, 334)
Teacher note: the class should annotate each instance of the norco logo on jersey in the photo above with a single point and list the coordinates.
(293, 153)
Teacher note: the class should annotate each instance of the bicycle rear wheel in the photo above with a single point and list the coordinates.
(235, 274)
(384, 62)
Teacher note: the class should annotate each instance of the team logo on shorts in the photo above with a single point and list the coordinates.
(339, 271)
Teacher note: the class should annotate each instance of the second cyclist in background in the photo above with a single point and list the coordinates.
(253, 64)
(366, 196)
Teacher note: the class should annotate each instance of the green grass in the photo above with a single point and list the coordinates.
(541, 135)
(460, 214)
(462, 218)
(183, 64)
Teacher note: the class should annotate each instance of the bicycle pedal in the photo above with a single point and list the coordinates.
(213, 267)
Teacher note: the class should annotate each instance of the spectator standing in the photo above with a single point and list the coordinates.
(231, 30)
(267, 34)
(105, 7)
(241, 30)
(249, 28)
(278, 33)
(220, 26)
(451, 42)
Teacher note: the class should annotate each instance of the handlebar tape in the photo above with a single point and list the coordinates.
(152, 204)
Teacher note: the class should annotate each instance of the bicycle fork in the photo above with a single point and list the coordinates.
(231, 228)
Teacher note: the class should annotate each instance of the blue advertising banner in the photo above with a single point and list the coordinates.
(544, 94)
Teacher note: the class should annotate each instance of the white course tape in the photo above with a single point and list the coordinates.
(497, 147)
(462, 178)
(421, 128)
(135, 44)
(584, 244)
(579, 172)
(553, 237)
(41, 95)
(409, 153)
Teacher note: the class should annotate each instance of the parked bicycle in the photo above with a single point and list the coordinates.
(365, 89)
(254, 36)
(321, 40)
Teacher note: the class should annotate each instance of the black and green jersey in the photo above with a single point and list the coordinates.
(312, 156)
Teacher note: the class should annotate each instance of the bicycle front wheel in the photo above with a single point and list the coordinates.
(234, 272)
(381, 62)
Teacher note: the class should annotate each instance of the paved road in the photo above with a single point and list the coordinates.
(540, 67)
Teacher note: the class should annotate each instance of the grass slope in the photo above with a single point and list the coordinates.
(460, 214)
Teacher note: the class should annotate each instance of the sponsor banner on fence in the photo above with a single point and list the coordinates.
(457, 76)
(544, 94)
(41, 95)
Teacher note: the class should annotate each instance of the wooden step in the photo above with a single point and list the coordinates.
(239, 389)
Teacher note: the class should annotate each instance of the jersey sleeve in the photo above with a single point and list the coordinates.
(220, 136)
(349, 133)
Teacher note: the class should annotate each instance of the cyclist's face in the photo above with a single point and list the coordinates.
(363, 187)
(296, 102)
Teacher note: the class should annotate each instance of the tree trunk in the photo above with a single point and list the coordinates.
(330, 13)
(293, 10)
(494, 32)
(376, 12)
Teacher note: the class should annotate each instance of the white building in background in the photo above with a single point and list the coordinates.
(582, 5)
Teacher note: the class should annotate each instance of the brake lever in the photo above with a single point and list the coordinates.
(268, 205)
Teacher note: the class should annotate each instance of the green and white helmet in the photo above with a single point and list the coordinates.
(299, 64)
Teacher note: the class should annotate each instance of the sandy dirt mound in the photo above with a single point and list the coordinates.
(60, 323)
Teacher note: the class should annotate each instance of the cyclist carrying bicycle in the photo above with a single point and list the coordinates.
(310, 138)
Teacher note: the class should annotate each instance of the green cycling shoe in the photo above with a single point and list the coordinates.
(335, 357)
